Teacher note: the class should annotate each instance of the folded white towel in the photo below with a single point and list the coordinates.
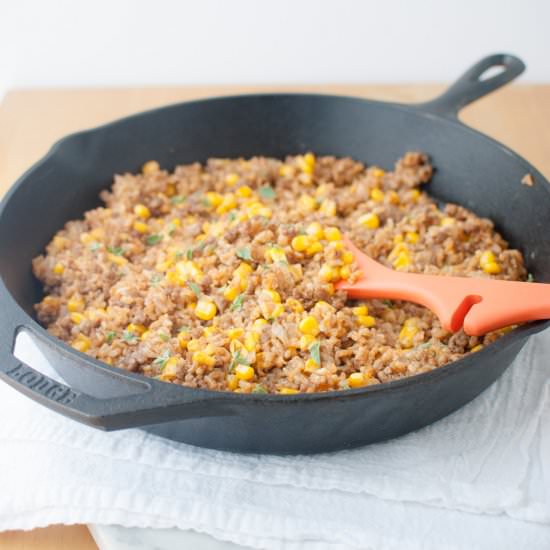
(477, 479)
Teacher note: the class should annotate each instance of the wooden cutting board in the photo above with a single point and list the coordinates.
(32, 120)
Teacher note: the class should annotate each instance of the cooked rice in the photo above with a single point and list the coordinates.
(123, 287)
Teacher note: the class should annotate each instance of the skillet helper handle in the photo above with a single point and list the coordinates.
(153, 402)
(468, 87)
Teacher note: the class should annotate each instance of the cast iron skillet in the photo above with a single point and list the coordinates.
(472, 170)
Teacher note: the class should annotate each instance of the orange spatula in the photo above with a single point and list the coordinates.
(478, 305)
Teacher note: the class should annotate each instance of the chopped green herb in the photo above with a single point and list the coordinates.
(344, 385)
(425, 345)
(164, 337)
(189, 253)
(237, 303)
(389, 303)
(117, 250)
(171, 228)
(94, 247)
(194, 287)
(238, 359)
(155, 279)
(244, 253)
(201, 246)
(315, 351)
(206, 202)
(178, 199)
(162, 359)
(232, 216)
(184, 329)
(259, 389)
(129, 336)
(153, 239)
(179, 255)
(110, 336)
(267, 192)
(530, 277)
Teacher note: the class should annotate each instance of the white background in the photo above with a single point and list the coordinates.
(125, 42)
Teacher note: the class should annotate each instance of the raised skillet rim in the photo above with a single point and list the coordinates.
(27, 322)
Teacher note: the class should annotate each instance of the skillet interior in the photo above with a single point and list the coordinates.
(470, 170)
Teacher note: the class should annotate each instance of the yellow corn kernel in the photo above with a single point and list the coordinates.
(328, 208)
(228, 203)
(447, 221)
(288, 391)
(337, 245)
(81, 343)
(398, 239)
(378, 173)
(77, 318)
(265, 212)
(75, 304)
(183, 339)
(206, 309)
(209, 331)
(315, 231)
(360, 310)
(176, 222)
(118, 260)
(232, 382)
(230, 293)
(366, 320)
(51, 301)
(244, 372)
(275, 254)
(191, 306)
(333, 234)
(356, 380)
(401, 261)
(305, 341)
(296, 271)
(259, 324)
(393, 197)
(415, 194)
(477, 348)
(345, 272)
(58, 268)
(217, 229)
(150, 167)
(234, 333)
(370, 220)
(313, 248)
(294, 305)
(309, 325)
(307, 203)
(286, 170)
(277, 311)
(86, 238)
(170, 370)
(244, 270)
(140, 227)
(300, 243)
(251, 341)
(193, 345)
(347, 257)
(203, 358)
(60, 242)
(492, 268)
(136, 329)
(411, 237)
(322, 190)
(377, 195)
(231, 179)
(408, 332)
(141, 211)
(188, 269)
(272, 295)
(215, 199)
(311, 365)
(328, 273)
(488, 262)
(243, 192)
(307, 163)
(174, 277)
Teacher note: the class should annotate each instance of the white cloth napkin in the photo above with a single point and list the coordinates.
(478, 479)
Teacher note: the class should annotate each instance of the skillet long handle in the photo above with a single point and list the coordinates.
(468, 87)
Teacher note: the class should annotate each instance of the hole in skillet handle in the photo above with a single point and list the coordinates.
(482, 78)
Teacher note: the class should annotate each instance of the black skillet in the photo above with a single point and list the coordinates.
(472, 170)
